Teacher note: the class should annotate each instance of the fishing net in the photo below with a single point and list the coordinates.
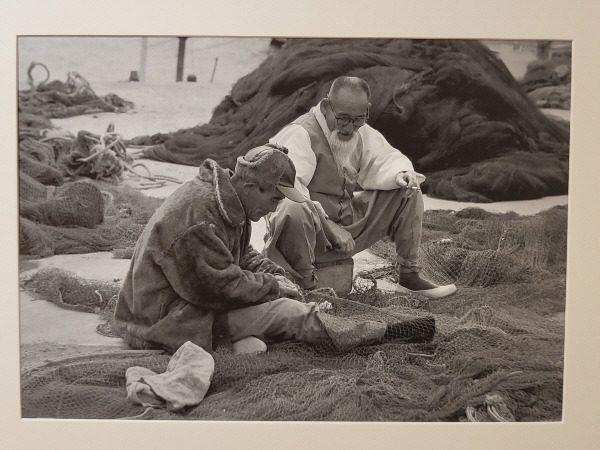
(72, 292)
(44, 173)
(51, 155)
(79, 203)
(547, 72)
(487, 350)
(30, 125)
(451, 106)
(41, 151)
(65, 99)
(476, 248)
(61, 210)
(494, 351)
(558, 97)
(81, 217)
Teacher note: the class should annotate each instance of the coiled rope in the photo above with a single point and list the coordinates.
(112, 143)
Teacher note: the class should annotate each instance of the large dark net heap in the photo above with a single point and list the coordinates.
(496, 355)
(451, 106)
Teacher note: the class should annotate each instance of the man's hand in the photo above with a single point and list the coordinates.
(343, 241)
(410, 179)
(339, 237)
(287, 288)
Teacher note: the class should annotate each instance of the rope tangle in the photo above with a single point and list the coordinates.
(112, 146)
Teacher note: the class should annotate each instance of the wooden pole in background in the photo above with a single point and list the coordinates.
(143, 55)
(214, 69)
(180, 56)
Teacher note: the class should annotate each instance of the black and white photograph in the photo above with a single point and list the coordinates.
(287, 229)
(319, 225)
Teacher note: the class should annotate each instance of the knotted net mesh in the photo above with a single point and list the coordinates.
(82, 216)
(497, 352)
(482, 351)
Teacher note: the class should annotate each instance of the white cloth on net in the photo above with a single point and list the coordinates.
(184, 383)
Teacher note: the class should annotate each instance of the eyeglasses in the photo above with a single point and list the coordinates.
(342, 121)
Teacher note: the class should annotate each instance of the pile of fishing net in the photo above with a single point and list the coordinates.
(50, 155)
(502, 248)
(485, 351)
(69, 291)
(52, 159)
(69, 199)
(547, 72)
(82, 216)
(450, 105)
(476, 248)
(74, 97)
(558, 97)
(548, 83)
(58, 156)
(496, 355)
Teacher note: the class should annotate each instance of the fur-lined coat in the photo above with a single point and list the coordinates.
(191, 265)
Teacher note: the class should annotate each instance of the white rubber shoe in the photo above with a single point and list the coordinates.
(413, 283)
(438, 292)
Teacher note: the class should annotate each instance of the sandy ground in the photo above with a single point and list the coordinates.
(161, 105)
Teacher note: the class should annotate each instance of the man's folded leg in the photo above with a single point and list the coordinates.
(294, 237)
(279, 320)
(286, 319)
(399, 214)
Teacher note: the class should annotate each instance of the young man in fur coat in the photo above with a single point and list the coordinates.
(194, 275)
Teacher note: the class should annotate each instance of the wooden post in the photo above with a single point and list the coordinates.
(214, 69)
(143, 55)
(180, 56)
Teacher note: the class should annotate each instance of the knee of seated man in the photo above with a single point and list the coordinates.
(295, 211)
(407, 196)
(405, 191)
(288, 206)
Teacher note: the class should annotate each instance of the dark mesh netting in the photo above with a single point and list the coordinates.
(70, 291)
(475, 248)
(481, 352)
(65, 99)
(79, 203)
(80, 217)
(88, 387)
(451, 106)
(494, 351)
(69, 201)
(546, 72)
(44, 173)
(500, 249)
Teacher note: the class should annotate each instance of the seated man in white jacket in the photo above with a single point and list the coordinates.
(334, 150)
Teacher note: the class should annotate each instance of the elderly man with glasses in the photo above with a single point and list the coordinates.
(335, 152)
